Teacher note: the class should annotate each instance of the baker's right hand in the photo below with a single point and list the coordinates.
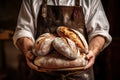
(25, 45)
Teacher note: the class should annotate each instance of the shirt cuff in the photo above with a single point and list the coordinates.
(107, 37)
(20, 34)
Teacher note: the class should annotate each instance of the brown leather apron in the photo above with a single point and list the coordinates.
(51, 17)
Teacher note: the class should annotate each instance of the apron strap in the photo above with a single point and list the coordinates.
(44, 8)
(77, 2)
(45, 1)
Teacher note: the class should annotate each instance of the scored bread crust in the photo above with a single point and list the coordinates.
(66, 47)
(75, 36)
(42, 45)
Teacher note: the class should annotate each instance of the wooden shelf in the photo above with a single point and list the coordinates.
(6, 35)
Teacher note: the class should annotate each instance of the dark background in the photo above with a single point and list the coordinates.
(12, 66)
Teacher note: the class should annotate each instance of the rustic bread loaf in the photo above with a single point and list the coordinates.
(66, 47)
(75, 36)
(42, 45)
(58, 61)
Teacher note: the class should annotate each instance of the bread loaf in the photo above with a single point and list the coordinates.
(57, 61)
(66, 47)
(42, 45)
(74, 35)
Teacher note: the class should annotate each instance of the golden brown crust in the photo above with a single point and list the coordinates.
(67, 32)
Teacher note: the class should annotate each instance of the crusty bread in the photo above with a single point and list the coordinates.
(68, 32)
(66, 47)
(42, 45)
(57, 61)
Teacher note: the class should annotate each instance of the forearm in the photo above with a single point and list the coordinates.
(96, 44)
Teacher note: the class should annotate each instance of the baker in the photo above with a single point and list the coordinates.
(38, 17)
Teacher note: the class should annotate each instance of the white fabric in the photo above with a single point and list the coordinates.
(95, 18)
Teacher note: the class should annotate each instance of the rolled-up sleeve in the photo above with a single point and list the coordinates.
(25, 24)
(97, 23)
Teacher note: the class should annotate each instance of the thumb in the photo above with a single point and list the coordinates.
(89, 55)
(91, 58)
(30, 55)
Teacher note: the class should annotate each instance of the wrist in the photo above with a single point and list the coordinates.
(95, 52)
(24, 44)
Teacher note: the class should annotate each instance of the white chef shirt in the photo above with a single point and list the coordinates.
(96, 21)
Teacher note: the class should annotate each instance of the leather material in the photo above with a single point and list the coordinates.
(49, 19)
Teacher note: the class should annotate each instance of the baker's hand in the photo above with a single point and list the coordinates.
(29, 58)
(25, 45)
(91, 59)
(95, 47)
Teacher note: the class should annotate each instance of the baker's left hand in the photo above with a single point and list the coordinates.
(91, 59)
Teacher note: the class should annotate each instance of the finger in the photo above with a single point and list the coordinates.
(29, 55)
(31, 65)
(89, 55)
(91, 58)
(90, 63)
